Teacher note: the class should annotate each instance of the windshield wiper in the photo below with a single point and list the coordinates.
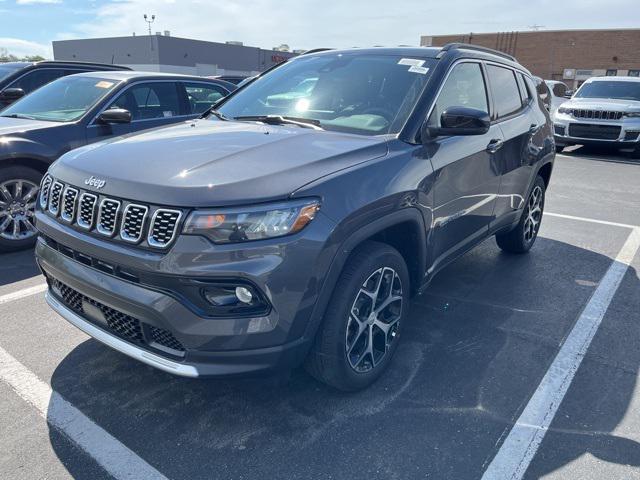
(280, 120)
(215, 113)
(19, 115)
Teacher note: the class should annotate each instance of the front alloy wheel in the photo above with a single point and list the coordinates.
(374, 319)
(364, 319)
(17, 209)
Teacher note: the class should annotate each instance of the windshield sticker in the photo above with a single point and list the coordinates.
(411, 62)
(421, 70)
(104, 84)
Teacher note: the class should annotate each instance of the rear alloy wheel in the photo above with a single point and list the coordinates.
(523, 236)
(18, 193)
(364, 319)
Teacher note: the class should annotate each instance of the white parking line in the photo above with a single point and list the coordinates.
(591, 220)
(25, 292)
(113, 456)
(524, 439)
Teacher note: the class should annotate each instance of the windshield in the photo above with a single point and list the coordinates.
(368, 94)
(610, 89)
(63, 100)
(6, 70)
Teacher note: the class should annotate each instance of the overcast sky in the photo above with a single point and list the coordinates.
(29, 26)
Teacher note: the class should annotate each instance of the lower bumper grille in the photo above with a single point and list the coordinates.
(115, 321)
(596, 132)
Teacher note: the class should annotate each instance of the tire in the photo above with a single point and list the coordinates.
(17, 206)
(523, 236)
(330, 361)
(636, 154)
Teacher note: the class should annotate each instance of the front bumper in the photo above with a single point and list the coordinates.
(622, 134)
(208, 346)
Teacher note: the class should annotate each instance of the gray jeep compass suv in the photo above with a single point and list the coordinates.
(293, 223)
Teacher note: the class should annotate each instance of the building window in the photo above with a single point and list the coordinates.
(612, 73)
(634, 73)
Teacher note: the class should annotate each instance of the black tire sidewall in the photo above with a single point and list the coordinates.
(15, 172)
(333, 343)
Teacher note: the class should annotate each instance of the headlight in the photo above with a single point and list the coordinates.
(631, 114)
(232, 225)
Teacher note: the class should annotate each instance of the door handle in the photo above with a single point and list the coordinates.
(494, 145)
(533, 129)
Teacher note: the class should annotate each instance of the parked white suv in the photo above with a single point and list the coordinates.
(604, 111)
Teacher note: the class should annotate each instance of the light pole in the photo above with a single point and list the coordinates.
(149, 22)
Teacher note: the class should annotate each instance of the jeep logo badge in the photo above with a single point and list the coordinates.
(95, 182)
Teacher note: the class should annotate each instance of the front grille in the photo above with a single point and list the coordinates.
(45, 189)
(69, 198)
(117, 219)
(108, 216)
(87, 210)
(117, 322)
(163, 227)
(595, 114)
(54, 200)
(596, 132)
(133, 222)
(165, 338)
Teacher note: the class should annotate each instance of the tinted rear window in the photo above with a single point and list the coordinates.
(505, 90)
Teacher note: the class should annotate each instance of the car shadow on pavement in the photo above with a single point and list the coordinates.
(17, 266)
(475, 348)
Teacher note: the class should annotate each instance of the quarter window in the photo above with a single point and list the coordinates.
(505, 90)
(464, 87)
(150, 101)
(201, 96)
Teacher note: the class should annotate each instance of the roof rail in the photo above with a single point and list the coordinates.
(80, 62)
(469, 46)
(316, 50)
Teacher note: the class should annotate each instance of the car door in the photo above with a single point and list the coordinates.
(201, 95)
(151, 104)
(466, 179)
(520, 123)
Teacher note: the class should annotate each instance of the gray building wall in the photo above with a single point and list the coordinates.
(170, 54)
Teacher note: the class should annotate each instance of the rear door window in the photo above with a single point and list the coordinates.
(201, 95)
(505, 90)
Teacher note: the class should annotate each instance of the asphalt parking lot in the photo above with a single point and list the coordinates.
(483, 354)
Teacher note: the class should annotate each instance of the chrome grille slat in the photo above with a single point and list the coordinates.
(133, 218)
(108, 216)
(86, 210)
(596, 114)
(164, 225)
(54, 200)
(69, 198)
(45, 188)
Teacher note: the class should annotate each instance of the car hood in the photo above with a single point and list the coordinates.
(20, 126)
(215, 163)
(603, 104)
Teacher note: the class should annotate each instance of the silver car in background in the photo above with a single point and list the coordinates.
(604, 111)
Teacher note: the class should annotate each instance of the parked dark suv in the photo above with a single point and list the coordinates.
(77, 110)
(18, 79)
(285, 227)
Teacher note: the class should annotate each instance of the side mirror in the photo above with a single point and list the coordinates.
(461, 121)
(11, 95)
(568, 94)
(115, 115)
